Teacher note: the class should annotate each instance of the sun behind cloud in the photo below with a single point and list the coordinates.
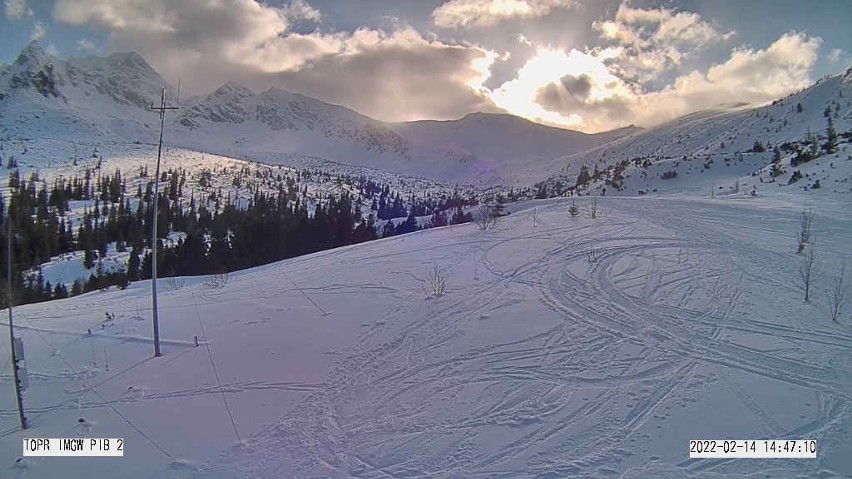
(550, 74)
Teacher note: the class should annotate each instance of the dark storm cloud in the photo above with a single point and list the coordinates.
(579, 86)
(396, 82)
(570, 96)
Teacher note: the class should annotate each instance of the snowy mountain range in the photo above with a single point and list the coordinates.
(107, 100)
(110, 98)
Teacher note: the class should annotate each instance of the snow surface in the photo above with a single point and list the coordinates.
(564, 347)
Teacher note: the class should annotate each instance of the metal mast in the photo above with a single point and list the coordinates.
(162, 109)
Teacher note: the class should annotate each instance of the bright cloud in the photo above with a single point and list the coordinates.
(648, 42)
(85, 45)
(16, 9)
(39, 31)
(835, 55)
(583, 90)
(237, 31)
(484, 13)
(752, 76)
(561, 88)
(301, 10)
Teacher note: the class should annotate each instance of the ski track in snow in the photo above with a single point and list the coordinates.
(415, 400)
(577, 347)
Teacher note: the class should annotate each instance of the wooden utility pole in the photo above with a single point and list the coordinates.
(21, 417)
(162, 109)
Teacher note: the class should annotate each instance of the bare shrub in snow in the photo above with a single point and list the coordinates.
(807, 270)
(217, 280)
(175, 283)
(436, 282)
(484, 216)
(836, 295)
(805, 223)
(592, 252)
(593, 208)
(573, 210)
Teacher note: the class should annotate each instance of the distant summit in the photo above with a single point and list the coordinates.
(31, 56)
(33, 69)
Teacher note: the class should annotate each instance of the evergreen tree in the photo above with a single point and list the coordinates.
(88, 259)
(407, 226)
(388, 230)
(777, 169)
(831, 137)
(583, 177)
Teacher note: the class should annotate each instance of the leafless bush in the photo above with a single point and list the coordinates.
(805, 223)
(436, 281)
(175, 282)
(808, 270)
(217, 280)
(836, 295)
(484, 216)
(593, 208)
(592, 252)
(573, 210)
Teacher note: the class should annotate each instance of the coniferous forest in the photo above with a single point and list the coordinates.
(216, 233)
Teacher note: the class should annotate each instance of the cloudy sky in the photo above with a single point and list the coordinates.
(590, 65)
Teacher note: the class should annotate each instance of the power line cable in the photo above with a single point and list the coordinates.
(215, 370)
(107, 403)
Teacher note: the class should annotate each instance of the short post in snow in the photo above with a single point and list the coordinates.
(15, 343)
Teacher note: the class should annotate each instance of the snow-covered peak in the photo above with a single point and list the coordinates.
(847, 76)
(32, 70)
(32, 56)
(228, 104)
(124, 77)
(233, 90)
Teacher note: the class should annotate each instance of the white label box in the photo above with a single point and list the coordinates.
(73, 447)
(753, 448)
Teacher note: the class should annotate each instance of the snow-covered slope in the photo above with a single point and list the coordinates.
(223, 177)
(276, 126)
(108, 99)
(715, 137)
(563, 347)
(494, 148)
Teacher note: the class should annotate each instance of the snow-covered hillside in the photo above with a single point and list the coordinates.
(716, 148)
(496, 149)
(563, 347)
(209, 178)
